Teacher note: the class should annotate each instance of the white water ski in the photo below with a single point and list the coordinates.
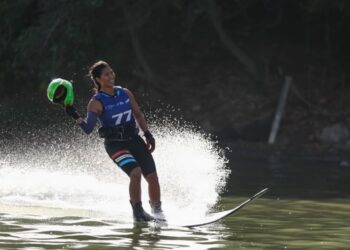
(214, 217)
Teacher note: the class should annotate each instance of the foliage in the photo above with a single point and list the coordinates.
(43, 39)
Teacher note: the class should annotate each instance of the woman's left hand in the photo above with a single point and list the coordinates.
(151, 142)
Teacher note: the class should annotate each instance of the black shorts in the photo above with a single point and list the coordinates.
(131, 154)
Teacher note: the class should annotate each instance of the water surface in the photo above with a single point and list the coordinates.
(266, 224)
(59, 190)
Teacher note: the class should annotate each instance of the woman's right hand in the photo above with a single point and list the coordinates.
(72, 112)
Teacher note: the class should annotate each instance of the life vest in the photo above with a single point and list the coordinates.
(117, 109)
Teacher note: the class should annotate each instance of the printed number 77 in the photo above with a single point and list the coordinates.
(120, 116)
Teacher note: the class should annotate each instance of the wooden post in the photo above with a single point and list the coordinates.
(280, 109)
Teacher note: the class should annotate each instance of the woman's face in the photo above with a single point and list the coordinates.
(107, 77)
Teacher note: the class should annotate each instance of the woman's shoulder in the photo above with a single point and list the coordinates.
(122, 90)
(119, 88)
(96, 97)
(95, 104)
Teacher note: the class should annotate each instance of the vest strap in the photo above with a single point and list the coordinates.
(119, 133)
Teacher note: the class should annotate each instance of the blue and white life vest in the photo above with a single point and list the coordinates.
(116, 108)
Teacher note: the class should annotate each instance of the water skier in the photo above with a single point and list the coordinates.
(117, 110)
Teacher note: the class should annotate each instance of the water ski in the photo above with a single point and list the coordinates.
(214, 217)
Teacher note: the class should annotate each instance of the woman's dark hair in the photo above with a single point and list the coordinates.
(96, 71)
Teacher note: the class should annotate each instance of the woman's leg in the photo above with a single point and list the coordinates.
(135, 185)
(154, 196)
(135, 196)
(153, 188)
(121, 155)
(148, 167)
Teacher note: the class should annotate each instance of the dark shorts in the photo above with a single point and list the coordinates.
(131, 154)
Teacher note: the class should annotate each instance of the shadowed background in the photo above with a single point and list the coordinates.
(221, 62)
(217, 64)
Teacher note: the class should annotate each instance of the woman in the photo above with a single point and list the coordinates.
(118, 112)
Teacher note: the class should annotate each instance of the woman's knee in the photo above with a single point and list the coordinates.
(135, 174)
(152, 177)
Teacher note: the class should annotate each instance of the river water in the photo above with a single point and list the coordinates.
(59, 190)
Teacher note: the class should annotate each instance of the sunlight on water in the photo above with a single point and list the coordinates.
(70, 170)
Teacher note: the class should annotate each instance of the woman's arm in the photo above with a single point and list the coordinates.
(94, 109)
(140, 118)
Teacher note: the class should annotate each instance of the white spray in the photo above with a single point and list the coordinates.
(72, 171)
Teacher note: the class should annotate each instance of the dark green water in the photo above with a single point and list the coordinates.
(266, 224)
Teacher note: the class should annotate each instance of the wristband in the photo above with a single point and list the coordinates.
(148, 135)
(71, 111)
